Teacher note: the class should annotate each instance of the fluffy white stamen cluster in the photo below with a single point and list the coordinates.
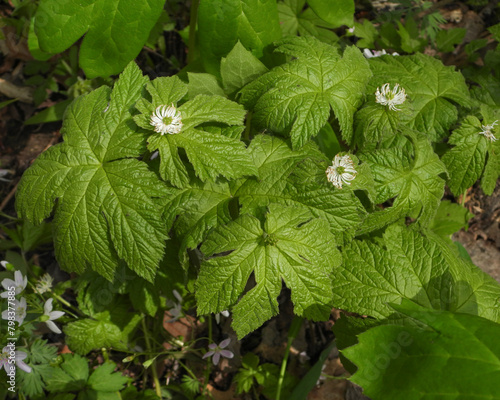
(487, 131)
(166, 119)
(391, 98)
(341, 171)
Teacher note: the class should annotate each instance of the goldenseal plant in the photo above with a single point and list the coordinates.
(315, 169)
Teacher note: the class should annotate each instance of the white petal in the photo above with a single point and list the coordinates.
(6, 283)
(25, 367)
(53, 327)
(47, 308)
(55, 315)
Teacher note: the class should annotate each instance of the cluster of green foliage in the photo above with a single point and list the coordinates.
(240, 194)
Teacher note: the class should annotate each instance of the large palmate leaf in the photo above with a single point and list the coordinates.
(198, 207)
(415, 183)
(106, 329)
(467, 159)
(221, 23)
(292, 246)
(448, 356)
(430, 86)
(296, 98)
(295, 20)
(304, 185)
(115, 30)
(239, 68)
(210, 152)
(105, 209)
(412, 266)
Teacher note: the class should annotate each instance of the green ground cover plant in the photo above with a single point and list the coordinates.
(288, 153)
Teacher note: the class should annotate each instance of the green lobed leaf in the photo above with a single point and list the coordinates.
(430, 87)
(221, 24)
(460, 353)
(202, 83)
(88, 334)
(293, 246)
(374, 123)
(239, 68)
(296, 178)
(415, 183)
(447, 39)
(367, 34)
(295, 98)
(450, 218)
(105, 210)
(296, 21)
(70, 375)
(107, 47)
(465, 161)
(41, 353)
(210, 152)
(33, 384)
(413, 266)
(103, 379)
(337, 13)
(198, 207)
(144, 296)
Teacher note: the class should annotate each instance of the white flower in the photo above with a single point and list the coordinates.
(166, 119)
(217, 351)
(223, 313)
(19, 283)
(176, 309)
(19, 356)
(4, 263)
(376, 53)
(351, 30)
(341, 171)
(49, 316)
(44, 284)
(487, 131)
(19, 311)
(391, 98)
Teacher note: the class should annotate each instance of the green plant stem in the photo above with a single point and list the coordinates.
(292, 334)
(61, 300)
(210, 340)
(193, 19)
(105, 354)
(153, 365)
(462, 202)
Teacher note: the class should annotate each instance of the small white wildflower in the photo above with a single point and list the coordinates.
(176, 310)
(218, 350)
(166, 119)
(44, 284)
(19, 311)
(19, 356)
(376, 53)
(19, 283)
(351, 30)
(487, 131)
(49, 316)
(391, 98)
(224, 313)
(341, 171)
